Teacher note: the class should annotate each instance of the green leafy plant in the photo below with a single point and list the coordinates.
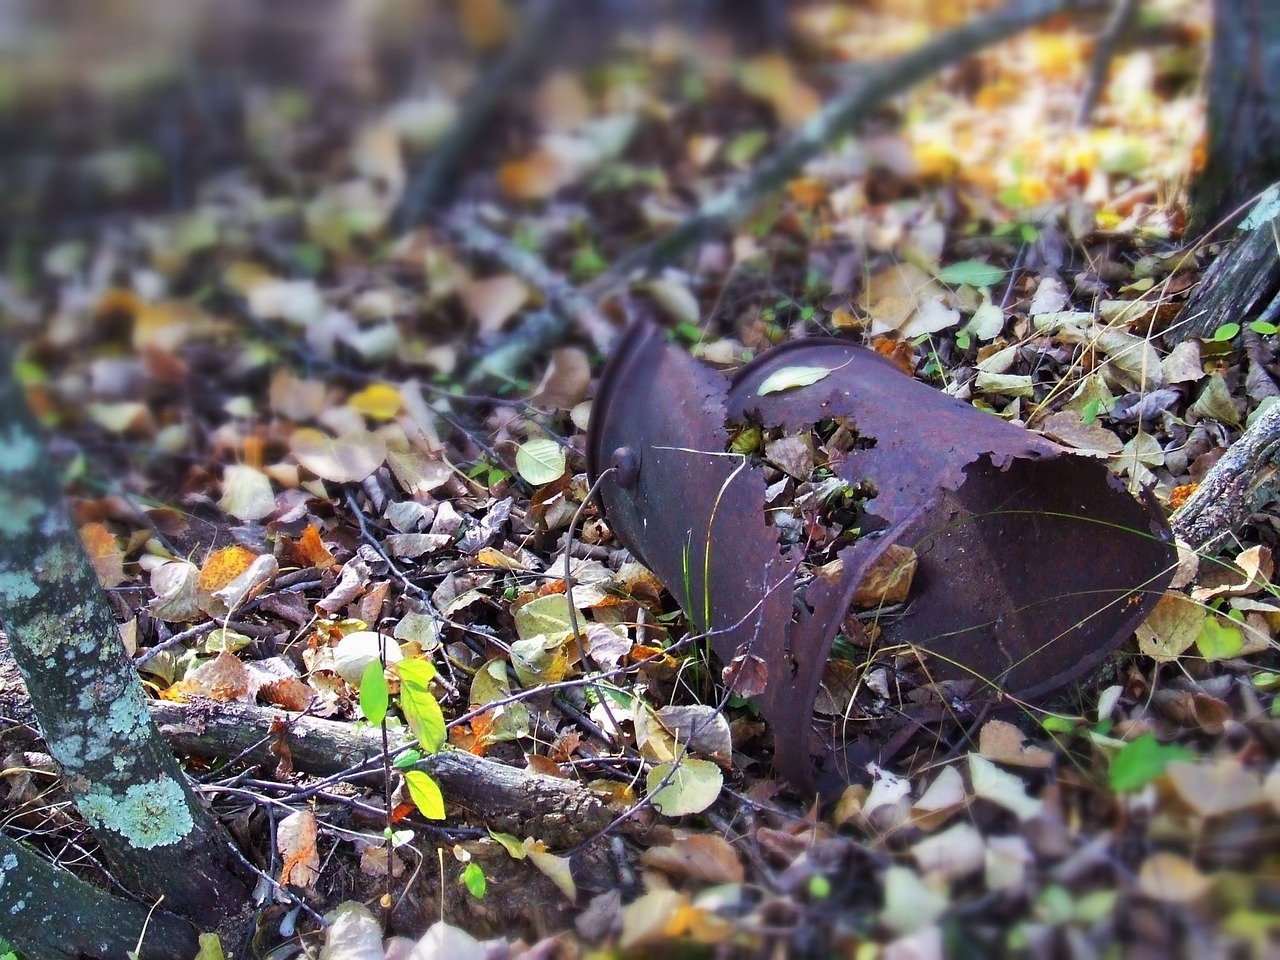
(423, 715)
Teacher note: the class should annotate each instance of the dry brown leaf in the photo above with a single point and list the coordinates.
(104, 553)
(1005, 743)
(224, 678)
(296, 841)
(1068, 428)
(566, 382)
(1257, 566)
(889, 579)
(700, 856)
(494, 301)
(1172, 627)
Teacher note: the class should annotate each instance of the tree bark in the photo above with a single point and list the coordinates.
(1244, 110)
(50, 914)
(156, 833)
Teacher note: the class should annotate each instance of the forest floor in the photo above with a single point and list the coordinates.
(303, 435)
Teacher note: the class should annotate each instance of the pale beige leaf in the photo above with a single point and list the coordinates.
(174, 585)
(494, 301)
(246, 493)
(348, 458)
(555, 868)
(1170, 878)
(909, 903)
(1005, 743)
(959, 851)
(646, 920)
(1001, 788)
(1212, 787)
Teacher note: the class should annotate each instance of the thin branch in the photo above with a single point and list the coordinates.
(426, 190)
(842, 115)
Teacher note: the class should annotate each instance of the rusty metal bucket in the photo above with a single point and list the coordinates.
(1031, 563)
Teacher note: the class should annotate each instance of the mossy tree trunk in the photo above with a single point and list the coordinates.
(50, 914)
(156, 833)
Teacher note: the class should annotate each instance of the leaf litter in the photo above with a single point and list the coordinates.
(294, 465)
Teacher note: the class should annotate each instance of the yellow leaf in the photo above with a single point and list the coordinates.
(1171, 628)
(378, 401)
(533, 177)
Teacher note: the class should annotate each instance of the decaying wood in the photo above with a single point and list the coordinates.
(1242, 284)
(1236, 486)
(560, 812)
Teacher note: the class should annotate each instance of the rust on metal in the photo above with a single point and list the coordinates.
(1032, 563)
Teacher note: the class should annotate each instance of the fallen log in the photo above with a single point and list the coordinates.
(1235, 487)
(559, 812)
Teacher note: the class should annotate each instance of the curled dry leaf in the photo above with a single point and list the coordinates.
(296, 842)
(174, 583)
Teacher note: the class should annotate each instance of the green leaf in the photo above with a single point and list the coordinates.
(421, 709)
(425, 794)
(1141, 761)
(373, 693)
(1266, 680)
(973, 273)
(407, 760)
(540, 461)
(1263, 328)
(474, 880)
(690, 786)
(513, 845)
(819, 887)
(1228, 331)
(1055, 724)
(1091, 409)
(1217, 641)
(790, 377)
